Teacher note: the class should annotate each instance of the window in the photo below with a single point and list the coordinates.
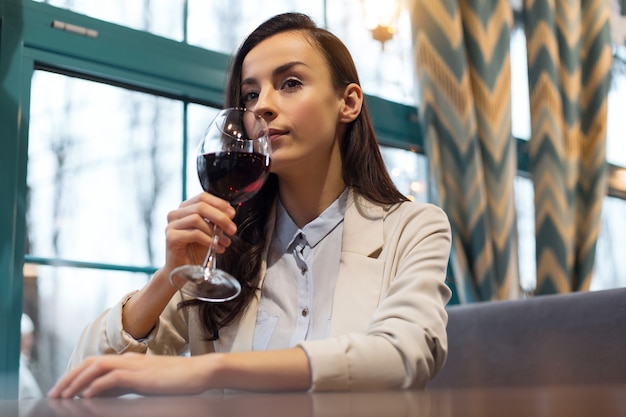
(104, 166)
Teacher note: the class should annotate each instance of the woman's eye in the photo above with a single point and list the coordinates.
(249, 96)
(292, 83)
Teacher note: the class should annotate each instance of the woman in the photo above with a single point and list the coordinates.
(343, 279)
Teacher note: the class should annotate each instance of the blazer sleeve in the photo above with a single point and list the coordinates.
(405, 341)
(106, 335)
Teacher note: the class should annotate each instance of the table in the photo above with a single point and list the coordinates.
(592, 401)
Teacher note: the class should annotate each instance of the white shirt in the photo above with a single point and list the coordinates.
(299, 285)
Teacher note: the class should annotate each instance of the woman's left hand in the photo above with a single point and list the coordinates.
(114, 375)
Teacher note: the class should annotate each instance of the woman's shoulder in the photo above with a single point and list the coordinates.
(418, 207)
(418, 214)
(367, 205)
(401, 212)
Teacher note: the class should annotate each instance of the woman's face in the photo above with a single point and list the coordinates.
(287, 81)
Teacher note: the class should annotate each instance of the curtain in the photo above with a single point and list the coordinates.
(569, 61)
(463, 68)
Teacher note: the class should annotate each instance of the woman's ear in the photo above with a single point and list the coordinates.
(351, 104)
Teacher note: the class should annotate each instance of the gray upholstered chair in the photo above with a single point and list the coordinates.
(568, 339)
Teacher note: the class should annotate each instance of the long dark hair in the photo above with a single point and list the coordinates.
(363, 167)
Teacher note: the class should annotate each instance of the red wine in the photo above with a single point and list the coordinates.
(233, 176)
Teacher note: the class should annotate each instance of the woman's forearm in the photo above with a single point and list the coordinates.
(271, 370)
(141, 312)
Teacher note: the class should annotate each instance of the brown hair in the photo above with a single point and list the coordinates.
(363, 168)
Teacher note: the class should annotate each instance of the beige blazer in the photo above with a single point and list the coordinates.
(388, 324)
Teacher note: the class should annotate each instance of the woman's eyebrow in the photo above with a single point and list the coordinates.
(276, 72)
(286, 67)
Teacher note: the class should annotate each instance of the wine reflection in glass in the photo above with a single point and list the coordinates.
(233, 160)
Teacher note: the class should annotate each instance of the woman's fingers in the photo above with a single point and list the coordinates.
(74, 380)
(191, 227)
(114, 383)
(80, 380)
(111, 375)
(188, 240)
(208, 207)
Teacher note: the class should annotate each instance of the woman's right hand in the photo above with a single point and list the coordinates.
(188, 235)
(189, 231)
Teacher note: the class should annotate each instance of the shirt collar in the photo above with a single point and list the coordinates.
(286, 231)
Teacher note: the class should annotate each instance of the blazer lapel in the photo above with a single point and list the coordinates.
(363, 226)
(359, 281)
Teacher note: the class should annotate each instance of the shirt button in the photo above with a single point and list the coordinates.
(304, 269)
(305, 312)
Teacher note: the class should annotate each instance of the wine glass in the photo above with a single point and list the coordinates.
(233, 160)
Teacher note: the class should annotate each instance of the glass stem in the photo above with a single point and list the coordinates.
(209, 262)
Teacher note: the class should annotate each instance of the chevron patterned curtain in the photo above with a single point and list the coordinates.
(463, 67)
(569, 61)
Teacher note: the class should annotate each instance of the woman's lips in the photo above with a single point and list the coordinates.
(275, 134)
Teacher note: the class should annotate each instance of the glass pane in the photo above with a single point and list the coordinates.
(60, 303)
(385, 73)
(221, 26)
(198, 118)
(616, 123)
(104, 169)
(610, 262)
(520, 98)
(409, 171)
(161, 17)
(525, 212)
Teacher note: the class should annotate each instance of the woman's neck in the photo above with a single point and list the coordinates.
(307, 196)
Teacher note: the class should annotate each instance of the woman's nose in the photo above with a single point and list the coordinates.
(265, 105)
